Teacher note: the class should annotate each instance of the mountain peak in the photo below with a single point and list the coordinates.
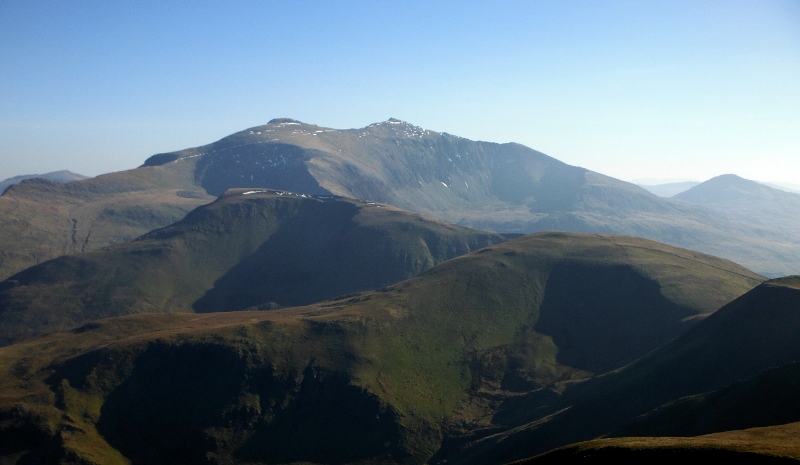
(279, 121)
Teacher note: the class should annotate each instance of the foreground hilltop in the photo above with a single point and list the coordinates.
(397, 375)
(258, 249)
(507, 188)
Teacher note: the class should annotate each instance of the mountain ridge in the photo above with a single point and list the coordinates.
(499, 187)
(247, 249)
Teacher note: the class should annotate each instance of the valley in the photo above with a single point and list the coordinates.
(393, 295)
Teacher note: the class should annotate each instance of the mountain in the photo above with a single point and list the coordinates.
(388, 376)
(41, 219)
(497, 187)
(62, 176)
(249, 249)
(788, 187)
(744, 200)
(507, 188)
(669, 189)
(740, 341)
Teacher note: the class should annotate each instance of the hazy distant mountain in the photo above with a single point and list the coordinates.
(41, 219)
(744, 200)
(397, 375)
(489, 186)
(57, 176)
(499, 187)
(669, 189)
(788, 187)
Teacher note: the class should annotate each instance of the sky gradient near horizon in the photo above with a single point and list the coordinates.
(666, 90)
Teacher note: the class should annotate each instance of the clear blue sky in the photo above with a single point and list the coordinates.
(641, 89)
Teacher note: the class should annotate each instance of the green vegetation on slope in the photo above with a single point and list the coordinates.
(753, 333)
(769, 445)
(249, 249)
(41, 220)
(392, 375)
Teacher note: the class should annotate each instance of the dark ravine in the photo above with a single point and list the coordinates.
(741, 341)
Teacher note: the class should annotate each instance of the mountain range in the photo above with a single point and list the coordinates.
(300, 294)
(246, 250)
(507, 188)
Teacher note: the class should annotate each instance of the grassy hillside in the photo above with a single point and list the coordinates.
(41, 219)
(249, 249)
(775, 444)
(389, 376)
(738, 342)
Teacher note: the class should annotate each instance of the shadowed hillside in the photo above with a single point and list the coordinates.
(740, 341)
(767, 399)
(249, 249)
(394, 376)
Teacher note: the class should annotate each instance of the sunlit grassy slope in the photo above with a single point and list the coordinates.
(249, 249)
(387, 376)
(41, 220)
(767, 445)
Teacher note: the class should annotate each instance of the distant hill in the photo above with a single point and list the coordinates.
(41, 219)
(788, 187)
(744, 200)
(507, 188)
(57, 176)
(249, 249)
(669, 189)
(397, 375)
(740, 341)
